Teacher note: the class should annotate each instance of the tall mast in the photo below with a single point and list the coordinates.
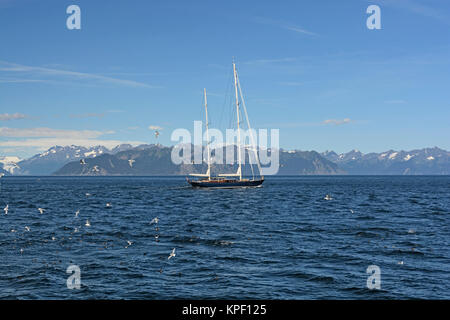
(238, 120)
(207, 138)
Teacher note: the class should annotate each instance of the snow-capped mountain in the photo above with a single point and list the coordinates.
(420, 161)
(47, 162)
(155, 159)
(9, 164)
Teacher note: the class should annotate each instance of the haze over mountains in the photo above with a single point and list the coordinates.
(156, 160)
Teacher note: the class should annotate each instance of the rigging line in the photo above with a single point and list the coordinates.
(248, 124)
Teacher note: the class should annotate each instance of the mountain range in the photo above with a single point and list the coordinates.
(153, 159)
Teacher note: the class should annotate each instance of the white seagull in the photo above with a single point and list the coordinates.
(77, 213)
(154, 220)
(6, 209)
(82, 161)
(108, 205)
(130, 162)
(1, 175)
(41, 211)
(27, 228)
(328, 197)
(129, 243)
(172, 254)
(88, 224)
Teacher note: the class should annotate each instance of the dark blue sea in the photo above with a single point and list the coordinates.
(280, 241)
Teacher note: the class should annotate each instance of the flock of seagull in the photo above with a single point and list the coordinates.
(96, 168)
(108, 205)
(154, 221)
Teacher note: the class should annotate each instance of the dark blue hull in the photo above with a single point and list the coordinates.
(223, 184)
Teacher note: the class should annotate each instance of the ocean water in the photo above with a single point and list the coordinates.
(280, 241)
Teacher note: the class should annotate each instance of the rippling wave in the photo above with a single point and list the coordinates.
(281, 241)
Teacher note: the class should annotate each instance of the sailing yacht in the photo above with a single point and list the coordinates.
(228, 180)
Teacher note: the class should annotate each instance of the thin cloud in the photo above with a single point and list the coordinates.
(300, 30)
(44, 138)
(337, 122)
(87, 115)
(269, 61)
(46, 143)
(284, 25)
(152, 127)
(22, 80)
(292, 84)
(417, 8)
(48, 132)
(14, 116)
(17, 68)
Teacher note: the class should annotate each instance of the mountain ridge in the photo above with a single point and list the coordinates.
(151, 159)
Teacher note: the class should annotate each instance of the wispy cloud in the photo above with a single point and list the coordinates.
(49, 132)
(284, 25)
(153, 127)
(299, 30)
(337, 122)
(418, 8)
(22, 80)
(14, 116)
(269, 61)
(44, 138)
(292, 84)
(51, 72)
(46, 143)
(87, 115)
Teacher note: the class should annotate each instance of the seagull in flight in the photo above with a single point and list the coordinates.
(27, 228)
(82, 162)
(95, 169)
(41, 211)
(172, 254)
(130, 162)
(129, 243)
(154, 220)
(6, 209)
(77, 213)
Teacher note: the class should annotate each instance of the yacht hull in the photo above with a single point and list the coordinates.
(225, 184)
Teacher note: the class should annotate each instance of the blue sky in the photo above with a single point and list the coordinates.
(309, 68)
